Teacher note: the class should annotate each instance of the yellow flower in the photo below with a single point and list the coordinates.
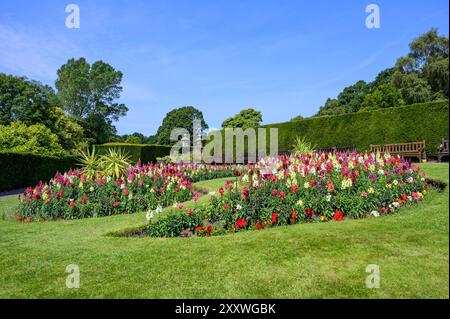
(323, 218)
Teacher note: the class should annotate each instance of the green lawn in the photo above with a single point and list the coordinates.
(302, 261)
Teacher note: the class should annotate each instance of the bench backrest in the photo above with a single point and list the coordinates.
(400, 148)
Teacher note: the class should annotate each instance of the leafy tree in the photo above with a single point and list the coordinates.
(179, 118)
(244, 119)
(23, 100)
(70, 133)
(36, 139)
(133, 140)
(384, 96)
(331, 107)
(437, 75)
(414, 89)
(89, 92)
(422, 75)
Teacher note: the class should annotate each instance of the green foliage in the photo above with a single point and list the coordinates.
(115, 163)
(133, 140)
(244, 119)
(89, 162)
(427, 121)
(174, 222)
(23, 100)
(89, 92)
(384, 96)
(422, 75)
(302, 146)
(36, 139)
(143, 152)
(70, 133)
(179, 118)
(25, 169)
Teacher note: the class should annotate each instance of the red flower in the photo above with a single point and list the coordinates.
(404, 196)
(282, 195)
(294, 188)
(275, 192)
(274, 217)
(293, 216)
(260, 225)
(338, 216)
(199, 229)
(195, 197)
(309, 211)
(125, 191)
(83, 200)
(116, 204)
(221, 191)
(364, 194)
(189, 212)
(72, 204)
(209, 230)
(27, 220)
(226, 206)
(241, 223)
(330, 186)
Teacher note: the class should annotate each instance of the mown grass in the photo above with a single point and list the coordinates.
(325, 260)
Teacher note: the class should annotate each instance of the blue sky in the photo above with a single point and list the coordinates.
(282, 57)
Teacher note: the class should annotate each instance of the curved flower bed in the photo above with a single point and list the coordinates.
(72, 195)
(290, 190)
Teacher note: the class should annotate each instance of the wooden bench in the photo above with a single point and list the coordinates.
(332, 149)
(412, 149)
(443, 150)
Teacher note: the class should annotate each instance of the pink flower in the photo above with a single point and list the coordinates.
(195, 197)
(364, 194)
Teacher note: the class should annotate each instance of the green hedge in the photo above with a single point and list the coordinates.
(411, 123)
(25, 169)
(146, 153)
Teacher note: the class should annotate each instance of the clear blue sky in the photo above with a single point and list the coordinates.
(283, 58)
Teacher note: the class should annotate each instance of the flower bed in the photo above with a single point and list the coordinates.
(311, 187)
(72, 195)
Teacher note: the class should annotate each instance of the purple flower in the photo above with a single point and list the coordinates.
(373, 177)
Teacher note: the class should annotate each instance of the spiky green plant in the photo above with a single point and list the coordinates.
(89, 162)
(115, 163)
(302, 146)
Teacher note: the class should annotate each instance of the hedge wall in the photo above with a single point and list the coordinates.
(24, 169)
(146, 153)
(424, 121)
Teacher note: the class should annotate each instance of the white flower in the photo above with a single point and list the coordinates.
(375, 213)
(300, 203)
(130, 196)
(159, 209)
(328, 198)
(396, 204)
(149, 215)
(212, 193)
(122, 186)
(238, 207)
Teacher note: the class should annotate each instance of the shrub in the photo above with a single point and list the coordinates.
(35, 139)
(145, 153)
(24, 169)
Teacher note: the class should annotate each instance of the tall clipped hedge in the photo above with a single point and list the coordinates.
(146, 153)
(25, 169)
(411, 123)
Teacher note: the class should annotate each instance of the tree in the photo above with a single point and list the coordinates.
(27, 101)
(179, 118)
(36, 139)
(331, 107)
(244, 119)
(133, 140)
(89, 92)
(422, 75)
(70, 133)
(384, 96)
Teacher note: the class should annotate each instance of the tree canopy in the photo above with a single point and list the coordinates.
(244, 119)
(179, 118)
(89, 92)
